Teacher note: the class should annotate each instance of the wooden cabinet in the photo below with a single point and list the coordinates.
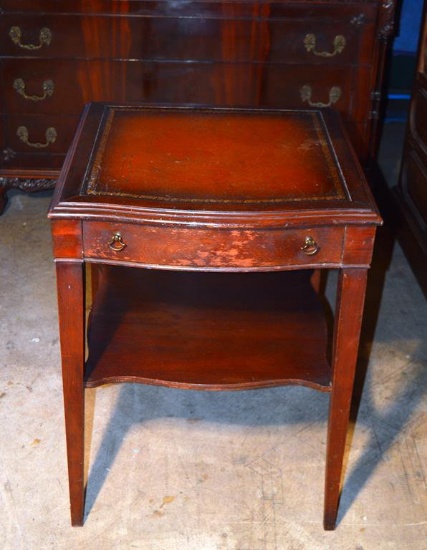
(411, 191)
(58, 56)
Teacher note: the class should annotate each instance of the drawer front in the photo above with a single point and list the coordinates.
(54, 86)
(201, 248)
(244, 84)
(41, 134)
(346, 89)
(223, 32)
(34, 86)
(324, 35)
(65, 86)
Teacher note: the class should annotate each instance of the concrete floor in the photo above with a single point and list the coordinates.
(183, 470)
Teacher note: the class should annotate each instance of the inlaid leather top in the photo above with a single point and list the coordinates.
(163, 163)
(218, 159)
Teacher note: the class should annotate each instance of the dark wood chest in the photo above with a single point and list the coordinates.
(58, 56)
(411, 191)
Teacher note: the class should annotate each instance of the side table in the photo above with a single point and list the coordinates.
(201, 228)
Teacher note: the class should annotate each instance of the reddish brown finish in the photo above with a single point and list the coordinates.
(216, 53)
(71, 308)
(358, 245)
(301, 186)
(185, 248)
(294, 146)
(348, 320)
(68, 239)
(196, 193)
(207, 331)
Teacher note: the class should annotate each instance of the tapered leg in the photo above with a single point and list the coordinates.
(348, 320)
(71, 308)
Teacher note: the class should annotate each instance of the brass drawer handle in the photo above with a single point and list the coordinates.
(310, 247)
(45, 38)
(307, 92)
(48, 89)
(116, 242)
(51, 135)
(310, 45)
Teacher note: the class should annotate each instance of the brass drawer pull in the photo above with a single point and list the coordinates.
(310, 45)
(45, 38)
(116, 242)
(51, 135)
(48, 89)
(307, 92)
(310, 247)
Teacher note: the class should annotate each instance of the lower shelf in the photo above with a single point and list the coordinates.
(213, 331)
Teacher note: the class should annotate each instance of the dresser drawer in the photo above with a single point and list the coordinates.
(40, 85)
(41, 133)
(203, 248)
(323, 35)
(246, 84)
(54, 86)
(346, 89)
(206, 32)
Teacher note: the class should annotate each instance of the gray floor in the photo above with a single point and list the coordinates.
(182, 470)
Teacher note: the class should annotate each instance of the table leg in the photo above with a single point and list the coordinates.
(71, 308)
(348, 320)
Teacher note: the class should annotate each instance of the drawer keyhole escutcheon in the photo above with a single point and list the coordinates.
(45, 38)
(310, 45)
(116, 243)
(310, 247)
(51, 135)
(48, 89)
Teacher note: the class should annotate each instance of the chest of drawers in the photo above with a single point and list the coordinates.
(411, 192)
(58, 56)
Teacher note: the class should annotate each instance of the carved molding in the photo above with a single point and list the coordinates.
(387, 18)
(27, 184)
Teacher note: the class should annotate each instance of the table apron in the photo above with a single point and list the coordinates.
(212, 248)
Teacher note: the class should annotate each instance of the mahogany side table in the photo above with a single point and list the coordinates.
(201, 228)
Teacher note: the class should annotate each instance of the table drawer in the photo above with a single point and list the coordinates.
(208, 248)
